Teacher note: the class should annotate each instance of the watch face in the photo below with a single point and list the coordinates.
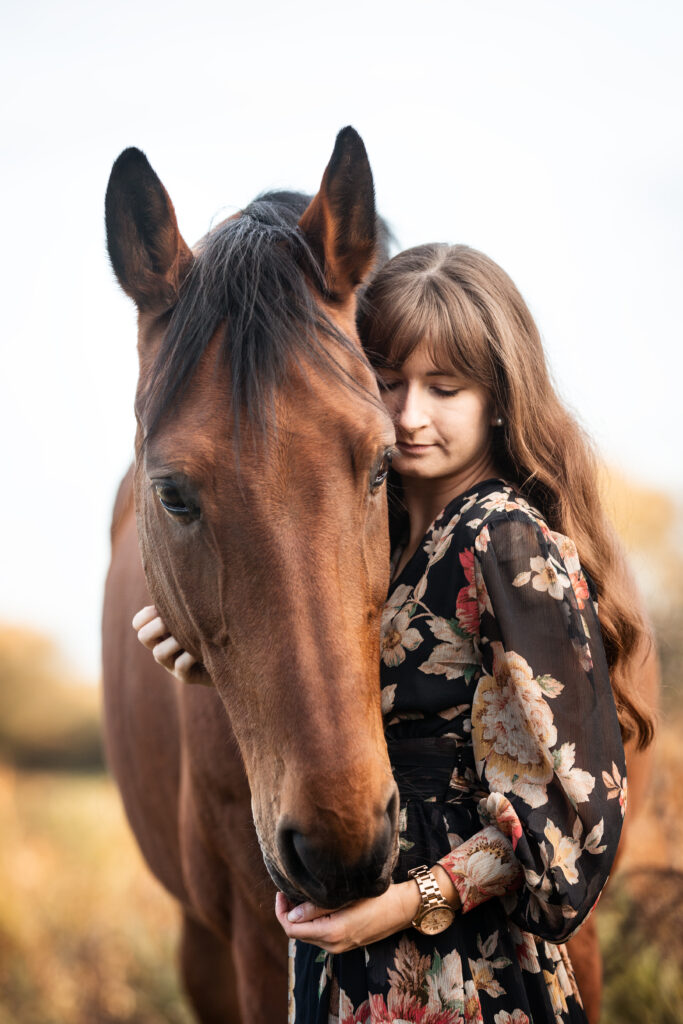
(436, 920)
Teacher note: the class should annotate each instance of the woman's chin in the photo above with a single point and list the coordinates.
(413, 466)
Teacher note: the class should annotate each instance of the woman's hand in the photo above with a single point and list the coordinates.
(153, 634)
(356, 925)
(363, 922)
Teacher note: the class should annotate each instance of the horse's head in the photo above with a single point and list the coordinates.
(261, 454)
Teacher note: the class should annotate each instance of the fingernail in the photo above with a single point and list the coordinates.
(295, 915)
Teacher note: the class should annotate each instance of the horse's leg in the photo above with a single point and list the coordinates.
(223, 866)
(261, 967)
(208, 974)
(222, 978)
(584, 953)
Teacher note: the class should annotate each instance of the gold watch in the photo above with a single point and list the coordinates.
(435, 913)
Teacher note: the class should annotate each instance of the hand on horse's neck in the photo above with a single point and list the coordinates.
(425, 499)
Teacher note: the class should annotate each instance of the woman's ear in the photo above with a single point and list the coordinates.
(340, 222)
(147, 252)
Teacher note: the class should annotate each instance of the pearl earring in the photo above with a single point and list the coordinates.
(498, 422)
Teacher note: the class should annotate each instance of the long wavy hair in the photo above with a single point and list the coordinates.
(468, 312)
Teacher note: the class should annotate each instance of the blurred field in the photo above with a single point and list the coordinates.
(46, 718)
(87, 936)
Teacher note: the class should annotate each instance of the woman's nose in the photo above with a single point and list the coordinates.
(412, 413)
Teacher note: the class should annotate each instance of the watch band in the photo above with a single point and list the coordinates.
(430, 893)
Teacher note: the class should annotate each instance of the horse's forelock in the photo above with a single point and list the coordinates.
(256, 275)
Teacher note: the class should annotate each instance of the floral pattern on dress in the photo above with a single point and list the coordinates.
(429, 989)
(490, 650)
(616, 786)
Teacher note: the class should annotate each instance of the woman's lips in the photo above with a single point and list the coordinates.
(413, 449)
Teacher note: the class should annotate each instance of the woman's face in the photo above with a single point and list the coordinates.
(443, 422)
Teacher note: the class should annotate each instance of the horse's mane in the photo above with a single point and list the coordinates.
(256, 274)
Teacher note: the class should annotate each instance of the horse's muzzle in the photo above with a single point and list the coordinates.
(316, 871)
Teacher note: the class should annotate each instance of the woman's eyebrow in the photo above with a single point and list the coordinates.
(442, 373)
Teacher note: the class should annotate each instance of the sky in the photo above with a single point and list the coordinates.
(547, 135)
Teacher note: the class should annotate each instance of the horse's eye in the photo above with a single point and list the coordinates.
(382, 471)
(173, 501)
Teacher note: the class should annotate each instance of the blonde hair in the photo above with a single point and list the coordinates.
(468, 311)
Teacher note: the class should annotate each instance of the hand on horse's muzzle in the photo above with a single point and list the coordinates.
(358, 924)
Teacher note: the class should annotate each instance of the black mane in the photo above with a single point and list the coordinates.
(254, 273)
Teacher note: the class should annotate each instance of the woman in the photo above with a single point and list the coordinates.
(500, 713)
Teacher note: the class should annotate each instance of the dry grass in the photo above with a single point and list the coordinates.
(86, 934)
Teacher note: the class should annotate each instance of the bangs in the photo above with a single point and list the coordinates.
(430, 310)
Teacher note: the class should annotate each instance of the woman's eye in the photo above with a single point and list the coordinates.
(444, 392)
(388, 385)
(173, 501)
(381, 474)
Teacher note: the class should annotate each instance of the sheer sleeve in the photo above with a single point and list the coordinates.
(545, 733)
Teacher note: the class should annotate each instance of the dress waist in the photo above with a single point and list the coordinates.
(431, 768)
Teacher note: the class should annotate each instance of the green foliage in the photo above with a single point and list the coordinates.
(46, 720)
(642, 942)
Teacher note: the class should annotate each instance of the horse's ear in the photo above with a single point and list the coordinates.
(340, 222)
(146, 250)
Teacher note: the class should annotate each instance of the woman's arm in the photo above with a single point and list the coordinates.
(545, 734)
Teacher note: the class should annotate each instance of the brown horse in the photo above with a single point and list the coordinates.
(261, 520)
(261, 454)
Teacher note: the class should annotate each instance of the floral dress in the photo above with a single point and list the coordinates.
(505, 745)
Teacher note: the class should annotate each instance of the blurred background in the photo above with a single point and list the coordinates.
(547, 135)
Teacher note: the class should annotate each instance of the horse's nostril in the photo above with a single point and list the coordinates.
(307, 856)
(302, 861)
